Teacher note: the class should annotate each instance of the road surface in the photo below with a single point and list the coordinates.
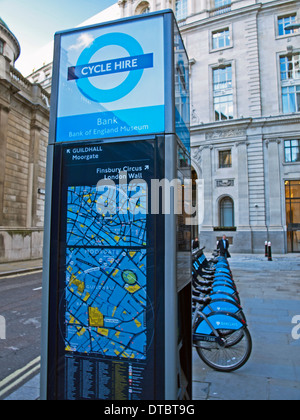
(20, 308)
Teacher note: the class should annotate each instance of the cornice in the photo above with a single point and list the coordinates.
(13, 38)
(283, 119)
(212, 19)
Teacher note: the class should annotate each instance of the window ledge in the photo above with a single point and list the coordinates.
(225, 229)
(279, 37)
(291, 163)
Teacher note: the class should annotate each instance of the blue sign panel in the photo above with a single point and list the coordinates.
(119, 65)
(111, 81)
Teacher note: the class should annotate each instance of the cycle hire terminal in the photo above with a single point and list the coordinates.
(116, 319)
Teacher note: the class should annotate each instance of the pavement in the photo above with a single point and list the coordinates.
(20, 267)
(270, 296)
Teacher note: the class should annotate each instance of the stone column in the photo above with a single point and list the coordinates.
(208, 186)
(152, 5)
(243, 237)
(204, 5)
(4, 112)
(122, 4)
(276, 197)
(34, 168)
(190, 7)
(207, 236)
(243, 186)
(275, 214)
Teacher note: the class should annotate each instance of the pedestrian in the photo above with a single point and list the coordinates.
(196, 244)
(223, 246)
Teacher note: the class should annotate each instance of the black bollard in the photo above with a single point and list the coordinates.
(266, 248)
(270, 251)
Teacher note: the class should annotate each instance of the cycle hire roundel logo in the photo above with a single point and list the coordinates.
(87, 69)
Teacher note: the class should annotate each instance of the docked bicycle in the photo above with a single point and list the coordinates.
(220, 333)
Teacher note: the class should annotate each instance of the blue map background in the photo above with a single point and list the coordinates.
(105, 314)
(106, 273)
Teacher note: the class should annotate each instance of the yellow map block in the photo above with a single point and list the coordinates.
(132, 289)
(80, 284)
(138, 324)
(103, 331)
(132, 253)
(81, 332)
(86, 297)
(96, 318)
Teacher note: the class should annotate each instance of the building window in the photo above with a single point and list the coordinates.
(1, 47)
(221, 39)
(291, 99)
(292, 195)
(283, 22)
(290, 67)
(227, 212)
(225, 159)
(223, 107)
(292, 151)
(221, 3)
(222, 6)
(290, 82)
(181, 9)
(223, 93)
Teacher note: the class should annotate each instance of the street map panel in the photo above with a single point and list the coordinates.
(106, 302)
(107, 216)
(106, 277)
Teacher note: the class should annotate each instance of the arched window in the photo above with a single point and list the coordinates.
(226, 212)
(142, 8)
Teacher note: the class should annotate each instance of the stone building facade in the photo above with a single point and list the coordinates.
(24, 122)
(245, 115)
(245, 97)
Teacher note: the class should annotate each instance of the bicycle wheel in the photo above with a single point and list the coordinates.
(231, 355)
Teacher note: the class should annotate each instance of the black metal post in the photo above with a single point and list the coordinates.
(270, 251)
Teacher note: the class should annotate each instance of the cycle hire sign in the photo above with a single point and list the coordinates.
(111, 81)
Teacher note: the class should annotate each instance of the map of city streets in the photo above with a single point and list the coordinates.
(106, 302)
(106, 277)
(103, 217)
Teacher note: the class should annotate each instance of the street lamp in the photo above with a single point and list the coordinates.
(292, 26)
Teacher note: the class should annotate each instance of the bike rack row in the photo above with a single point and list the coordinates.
(220, 333)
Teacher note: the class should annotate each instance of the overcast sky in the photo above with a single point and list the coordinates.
(34, 22)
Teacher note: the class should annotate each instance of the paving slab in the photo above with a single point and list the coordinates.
(270, 296)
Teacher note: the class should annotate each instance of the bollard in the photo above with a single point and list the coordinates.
(2, 328)
(270, 251)
(266, 248)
